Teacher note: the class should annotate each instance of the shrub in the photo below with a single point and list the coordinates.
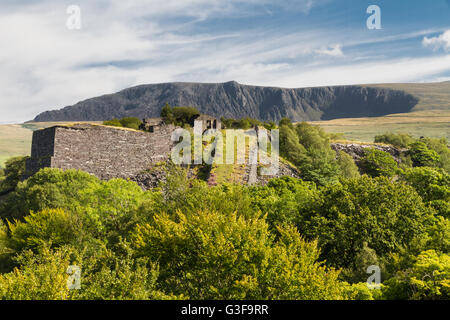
(427, 279)
(113, 122)
(422, 156)
(13, 172)
(210, 255)
(378, 163)
(400, 140)
(386, 215)
(131, 122)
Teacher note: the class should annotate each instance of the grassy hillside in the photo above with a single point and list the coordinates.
(432, 96)
(15, 139)
(434, 124)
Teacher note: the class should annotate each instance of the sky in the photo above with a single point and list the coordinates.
(52, 56)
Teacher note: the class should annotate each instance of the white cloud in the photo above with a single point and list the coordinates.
(332, 51)
(45, 66)
(441, 41)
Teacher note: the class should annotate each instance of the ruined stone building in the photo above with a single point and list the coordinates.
(107, 152)
(155, 124)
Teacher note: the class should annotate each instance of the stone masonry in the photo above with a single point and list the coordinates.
(106, 152)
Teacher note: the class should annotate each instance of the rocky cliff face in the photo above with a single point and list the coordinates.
(234, 100)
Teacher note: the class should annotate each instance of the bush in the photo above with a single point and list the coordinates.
(49, 226)
(422, 156)
(426, 280)
(399, 140)
(179, 116)
(386, 215)
(128, 122)
(113, 122)
(210, 255)
(13, 173)
(131, 122)
(378, 163)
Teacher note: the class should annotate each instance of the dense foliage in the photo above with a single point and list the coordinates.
(128, 122)
(180, 116)
(309, 238)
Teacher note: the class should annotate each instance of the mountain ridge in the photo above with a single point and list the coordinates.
(234, 100)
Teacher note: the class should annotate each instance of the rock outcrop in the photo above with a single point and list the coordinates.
(234, 100)
(357, 151)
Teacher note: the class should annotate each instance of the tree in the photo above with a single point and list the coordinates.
(422, 156)
(388, 216)
(209, 255)
(286, 122)
(400, 140)
(427, 279)
(308, 148)
(14, 170)
(167, 114)
(107, 209)
(348, 167)
(378, 163)
(433, 185)
(131, 122)
(53, 226)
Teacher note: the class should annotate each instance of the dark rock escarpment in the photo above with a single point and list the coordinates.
(234, 100)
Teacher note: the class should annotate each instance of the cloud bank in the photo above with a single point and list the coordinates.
(43, 65)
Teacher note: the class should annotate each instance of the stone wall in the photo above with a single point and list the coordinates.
(106, 152)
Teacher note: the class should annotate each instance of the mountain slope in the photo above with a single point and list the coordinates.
(234, 100)
(432, 96)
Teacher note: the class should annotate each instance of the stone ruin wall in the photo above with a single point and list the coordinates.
(103, 151)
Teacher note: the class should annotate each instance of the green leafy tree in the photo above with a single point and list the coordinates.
(348, 167)
(378, 163)
(400, 140)
(427, 279)
(53, 226)
(13, 173)
(210, 255)
(422, 156)
(286, 122)
(388, 216)
(433, 185)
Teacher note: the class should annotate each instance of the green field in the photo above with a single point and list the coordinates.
(432, 96)
(435, 124)
(15, 139)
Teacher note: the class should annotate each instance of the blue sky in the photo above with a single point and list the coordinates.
(286, 43)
